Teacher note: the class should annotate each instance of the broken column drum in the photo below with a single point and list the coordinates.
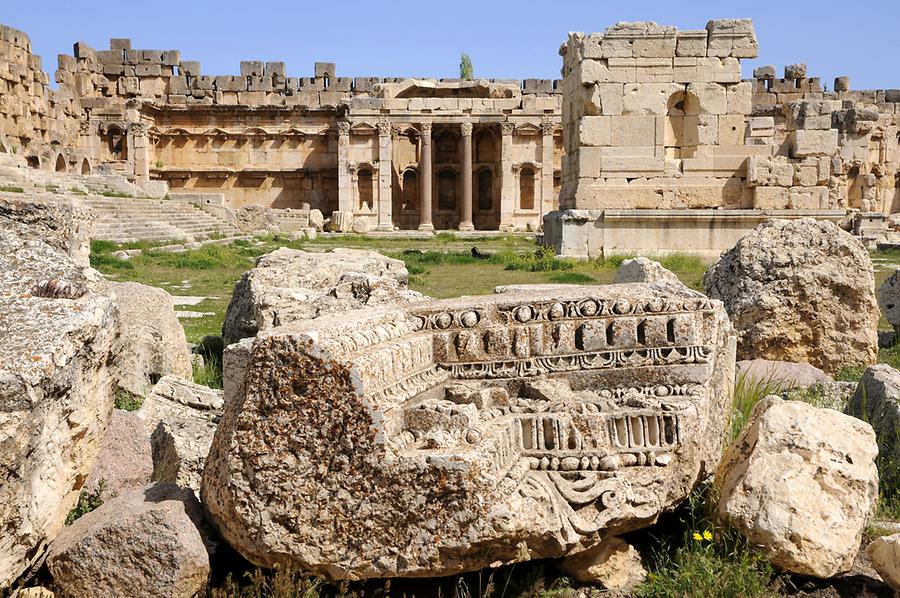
(446, 436)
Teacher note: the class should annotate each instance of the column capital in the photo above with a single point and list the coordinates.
(343, 127)
(546, 127)
(506, 128)
(466, 129)
(384, 127)
(395, 133)
(425, 128)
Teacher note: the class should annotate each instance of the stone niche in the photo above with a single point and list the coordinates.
(446, 436)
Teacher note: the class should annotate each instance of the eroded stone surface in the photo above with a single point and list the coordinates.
(59, 222)
(180, 417)
(55, 392)
(614, 564)
(789, 375)
(151, 342)
(877, 402)
(889, 298)
(145, 542)
(124, 462)
(800, 483)
(641, 269)
(884, 552)
(799, 291)
(289, 285)
(447, 436)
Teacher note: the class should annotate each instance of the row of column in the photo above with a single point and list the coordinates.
(385, 150)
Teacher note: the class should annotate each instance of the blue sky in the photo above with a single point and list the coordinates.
(505, 39)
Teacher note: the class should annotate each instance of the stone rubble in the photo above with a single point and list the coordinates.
(147, 542)
(800, 483)
(641, 269)
(884, 552)
(877, 402)
(439, 437)
(289, 285)
(799, 291)
(56, 391)
(614, 564)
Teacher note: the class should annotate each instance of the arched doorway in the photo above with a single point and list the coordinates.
(33, 161)
(526, 188)
(61, 165)
(682, 126)
(365, 190)
(85, 166)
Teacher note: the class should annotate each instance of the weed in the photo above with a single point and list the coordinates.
(11, 189)
(116, 194)
(210, 374)
(748, 391)
(612, 261)
(77, 191)
(107, 262)
(87, 501)
(127, 401)
(280, 582)
(542, 260)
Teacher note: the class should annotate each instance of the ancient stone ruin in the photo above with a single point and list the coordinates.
(450, 435)
(650, 127)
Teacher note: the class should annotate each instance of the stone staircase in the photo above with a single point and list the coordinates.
(140, 219)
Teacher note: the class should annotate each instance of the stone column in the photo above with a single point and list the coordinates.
(425, 176)
(465, 216)
(345, 190)
(138, 153)
(385, 165)
(546, 203)
(507, 178)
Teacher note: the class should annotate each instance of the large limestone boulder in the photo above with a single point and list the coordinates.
(884, 553)
(889, 299)
(799, 291)
(641, 269)
(151, 341)
(181, 418)
(57, 221)
(877, 401)
(143, 543)
(801, 482)
(56, 392)
(445, 436)
(288, 285)
(124, 462)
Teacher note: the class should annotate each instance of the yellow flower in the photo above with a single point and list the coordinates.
(707, 535)
(698, 537)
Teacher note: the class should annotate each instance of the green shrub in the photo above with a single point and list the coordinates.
(116, 194)
(280, 582)
(87, 502)
(100, 246)
(77, 191)
(542, 260)
(128, 401)
(11, 189)
(612, 261)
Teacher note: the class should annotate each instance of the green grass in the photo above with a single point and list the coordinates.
(705, 559)
(210, 374)
(87, 501)
(116, 194)
(11, 189)
(109, 263)
(76, 191)
(571, 278)
(747, 393)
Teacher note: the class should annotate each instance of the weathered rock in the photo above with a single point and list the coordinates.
(55, 220)
(288, 285)
(445, 436)
(143, 543)
(641, 269)
(124, 462)
(801, 482)
(877, 401)
(56, 393)
(360, 226)
(317, 220)
(614, 564)
(884, 552)
(182, 418)
(32, 592)
(799, 291)
(252, 219)
(789, 375)
(151, 341)
(889, 298)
